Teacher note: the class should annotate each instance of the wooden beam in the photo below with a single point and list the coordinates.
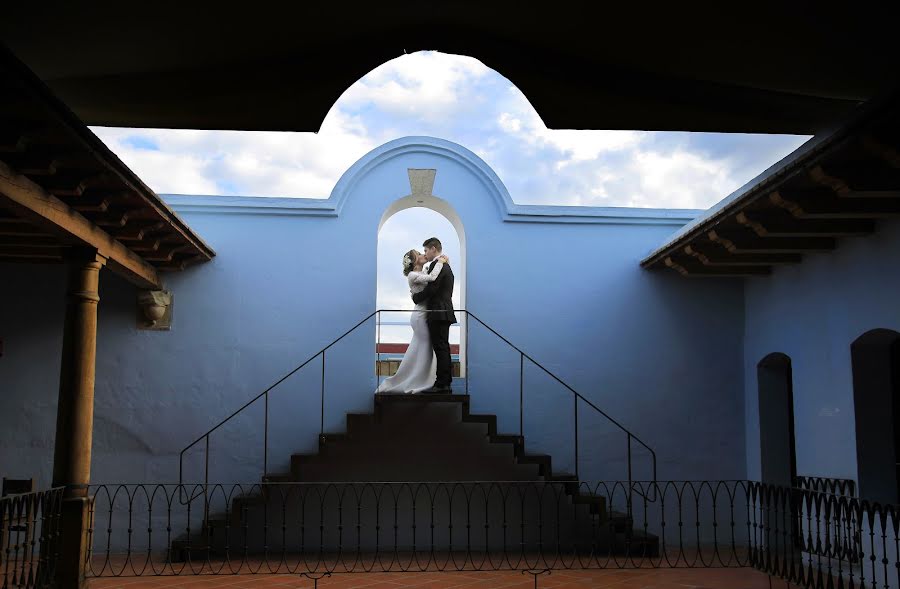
(90, 205)
(31, 164)
(166, 254)
(685, 268)
(750, 243)
(138, 231)
(855, 208)
(26, 252)
(150, 245)
(30, 261)
(71, 182)
(112, 219)
(53, 216)
(12, 142)
(180, 263)
(7, 218)
(176, 264)
(29, 241)
(675, 266)
(885, 152)
(7, 228)
(709, 257)
(842, 188)
(783, 225)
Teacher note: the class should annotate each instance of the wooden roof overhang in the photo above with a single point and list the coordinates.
(838, 184)
(60, 187)
(765, 67)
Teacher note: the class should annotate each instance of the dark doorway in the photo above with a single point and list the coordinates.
(776, 420)
(876, 401)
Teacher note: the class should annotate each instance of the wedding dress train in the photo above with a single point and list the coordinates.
(418, 368)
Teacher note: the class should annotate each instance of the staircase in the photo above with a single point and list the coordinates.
(422, 438)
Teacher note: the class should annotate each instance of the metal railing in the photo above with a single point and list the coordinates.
(29, 538)
(319, 358)
(344, 527)
(846, 487)
(818, 539)
(365, 527)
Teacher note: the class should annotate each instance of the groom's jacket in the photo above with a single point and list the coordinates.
(437, 296)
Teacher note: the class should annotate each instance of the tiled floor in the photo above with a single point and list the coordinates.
(738, 578)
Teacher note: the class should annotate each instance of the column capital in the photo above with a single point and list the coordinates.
(84, 256)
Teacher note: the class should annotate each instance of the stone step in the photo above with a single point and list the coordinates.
(420, 398)
(360, 421)
(280, 477)
(515, 440)
(363, 430)
(297, 462)
(248, 499)
(329, 439)
(596, 503)
(543, 461)
(489, 420)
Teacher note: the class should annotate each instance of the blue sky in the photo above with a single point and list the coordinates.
(460, 99)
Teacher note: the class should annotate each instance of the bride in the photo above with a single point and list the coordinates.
(418, 368)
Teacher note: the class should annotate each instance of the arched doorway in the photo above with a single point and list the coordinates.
(776, 420)
(405, 224)
(875, 356)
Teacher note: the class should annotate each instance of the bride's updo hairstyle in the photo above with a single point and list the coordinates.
(409, 261)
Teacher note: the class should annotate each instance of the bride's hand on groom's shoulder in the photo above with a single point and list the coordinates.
(444, 260)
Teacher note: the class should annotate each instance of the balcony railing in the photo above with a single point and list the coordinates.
(352, 527)
(29, 538)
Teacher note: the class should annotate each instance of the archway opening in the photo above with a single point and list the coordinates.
(776, 420)
(405, 225)
(875, 356)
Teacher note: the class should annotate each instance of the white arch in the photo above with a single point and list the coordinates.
(446, 210)
(430, 145)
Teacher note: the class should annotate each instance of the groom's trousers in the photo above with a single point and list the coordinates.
(440, 342)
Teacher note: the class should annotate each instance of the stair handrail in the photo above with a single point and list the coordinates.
(265, 394)
(577, 395)
(522, 355)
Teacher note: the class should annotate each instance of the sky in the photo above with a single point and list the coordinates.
(460, 99)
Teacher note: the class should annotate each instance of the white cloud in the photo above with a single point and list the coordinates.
(243, 163)
(688, 180)
(574, 145)
(426, 86)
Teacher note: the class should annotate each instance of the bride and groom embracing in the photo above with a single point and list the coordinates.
(426, 366)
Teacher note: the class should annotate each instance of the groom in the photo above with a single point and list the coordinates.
(436, 296)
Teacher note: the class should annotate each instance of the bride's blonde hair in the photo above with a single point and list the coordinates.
(409, 261)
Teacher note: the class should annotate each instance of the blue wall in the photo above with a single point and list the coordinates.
(661, 354)
(813, 312)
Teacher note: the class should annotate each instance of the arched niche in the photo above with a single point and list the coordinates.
(422, 183)
(875, 358)
(776, 420)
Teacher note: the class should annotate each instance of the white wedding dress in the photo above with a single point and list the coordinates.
(418, 368)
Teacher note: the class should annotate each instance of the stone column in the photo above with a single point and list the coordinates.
(75, 413)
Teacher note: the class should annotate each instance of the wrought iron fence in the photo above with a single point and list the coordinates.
(29, 538)
(826, 485)
(819, 539)
(343, 527)
(808, 538)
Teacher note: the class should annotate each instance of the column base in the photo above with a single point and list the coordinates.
(72, 547)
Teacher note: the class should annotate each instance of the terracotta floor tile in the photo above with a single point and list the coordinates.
(558, 579)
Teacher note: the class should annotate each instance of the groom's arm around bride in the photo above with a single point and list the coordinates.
(437, 296)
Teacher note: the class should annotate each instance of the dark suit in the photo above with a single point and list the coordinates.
(437, 297)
